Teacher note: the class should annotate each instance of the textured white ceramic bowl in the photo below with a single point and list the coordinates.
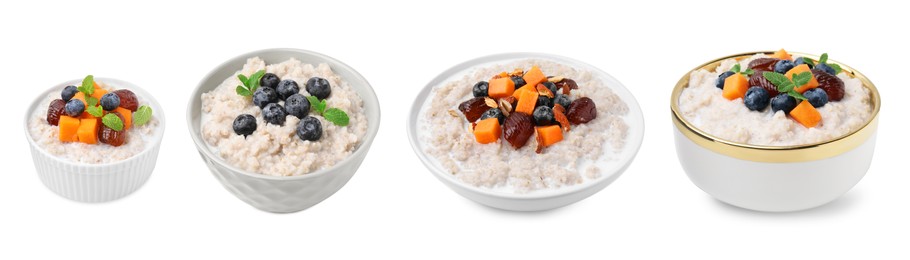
(774, 178)
(292, 193)
(535, 201)
(96, 182)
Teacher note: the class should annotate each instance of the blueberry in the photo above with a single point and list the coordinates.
(68, 92)
(264, 96)
(244, 124)
(757, 98)
(816, 96)
(801, 61)
(481, 89)
(318, 87)
(74, 108)
(783, 66)
(720, 79)
(551, 86)
(543, 116)
(519, 81)
(297, 105)
(826, 68)
(274, 114)
(544, 101)
(110, 101)
(286, 88)
(269, 80)
(784, 102)
(309, 129)
(562, 100)
(493, 112)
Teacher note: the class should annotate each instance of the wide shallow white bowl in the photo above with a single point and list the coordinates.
(537, 200)
(774, 178)
(282, 194)
(96, 182)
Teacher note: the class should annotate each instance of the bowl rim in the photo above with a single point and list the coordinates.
(157, 108)
(771, 153)
(634, 144)
(335, 64)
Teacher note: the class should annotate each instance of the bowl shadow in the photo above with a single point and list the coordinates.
(840, 205)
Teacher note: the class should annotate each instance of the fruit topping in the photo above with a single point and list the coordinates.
(264, 96)
(297, 105)
(783, 66)
(804, 60)
(128, 99)
(487, 130)
(559, 114)
(501, 87)
(517, 129)
(527, 102)
(581, 111)
(244, 124)
(832, 85)
(806, 114)
(543, 101)
(111, 136)
(126, 116)
(55, 110)
(817, 97)
(286, 88)
(758, 79)
(273, 113)
(784, 102)
(318, 87)
(68, 92)
(110, 101)
(88, 130)
(551, 86)
(757, 98)
(481, 89)
(566, 85)
(826, 68)
(494, 113)
(812, 83)
(74, 108)
(763, 64)
(269, 80)
(719, 83)
(562, 100)
(547, 136)
(518, 81)
(543, 116)
(830, 68)
(534, 76)
(781, 54)
(735, 86)
(473, 108)
(309, 129)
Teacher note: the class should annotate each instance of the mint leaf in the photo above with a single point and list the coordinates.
(142, 115)
(837, 68)
(808, 61)
(95, 111)
(735, 68)
(243, 91)
(112, 121)
(336, 116)
(823, 58)
(88, 85)
(316, 104)
(243, 79)
(253, 82)
(802, 78)
(92, 101)
(795, 94)
(775, 78)
(749, 72)
(786, 87)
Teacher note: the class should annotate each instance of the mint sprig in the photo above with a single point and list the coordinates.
(736, 69)
(142, 115)
(334, 115)
(88, 86)
(250, 84)
(787, 85)
(824, 59)
(112, 121)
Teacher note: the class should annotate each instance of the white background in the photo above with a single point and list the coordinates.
(393, 207)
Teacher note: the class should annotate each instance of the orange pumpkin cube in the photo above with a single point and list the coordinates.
(67, 129)
(549, 135)
(88, 130)
(813, 83)
(127, 117)
(806, 114)
(735, 86)
(501, 87)
(534, 76)
(527, 101)
(781, 54)
(487, 130)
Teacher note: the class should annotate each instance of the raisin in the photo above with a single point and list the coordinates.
(473, 108)
(55, 110)
(758, 80)
(111, 136)
(763, 64)
(581, 111)
(128, 99)
(832, 85)
(566, 85)
(517, 129)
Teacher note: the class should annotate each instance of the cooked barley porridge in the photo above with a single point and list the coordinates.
(702, 104)
(497, 165)
(277, 149)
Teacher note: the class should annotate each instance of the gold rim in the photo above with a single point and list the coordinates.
(776, 154)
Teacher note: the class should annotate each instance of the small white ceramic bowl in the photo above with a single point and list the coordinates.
(774, 178)
(96, 182)
(281, 194)
(538, 200)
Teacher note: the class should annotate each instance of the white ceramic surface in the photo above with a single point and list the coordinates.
(538, 200)
(773, 187)
(291, 193)
(96, 182)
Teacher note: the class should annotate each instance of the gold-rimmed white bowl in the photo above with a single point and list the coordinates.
(774, 178)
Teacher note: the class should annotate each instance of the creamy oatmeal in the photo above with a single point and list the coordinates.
(702, 104)
(498, 166)
(276, 149)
